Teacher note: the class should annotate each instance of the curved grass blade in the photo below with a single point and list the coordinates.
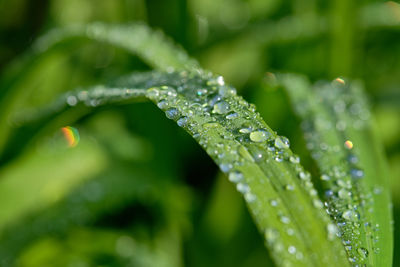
(151, 46)
(336, 121)
(278, 191)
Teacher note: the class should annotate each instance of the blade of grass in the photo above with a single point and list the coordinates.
(278, 192)
(336, 122)
(151, 46)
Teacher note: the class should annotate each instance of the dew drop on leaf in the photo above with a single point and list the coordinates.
(182, 121)
(172, 113)
(221, 108)
(250, 197)
(231, 116)
(259, 136)
(282, 142)
(292, 249)
(225, 167)
(242, 188)
(235, 177)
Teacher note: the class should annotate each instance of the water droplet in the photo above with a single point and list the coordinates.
(292, 249)
(378, 190)
(153, 93)
(357, 173)
(332, 231)
(304, 175)
(72, 100)
(250, 197)
(221, 108)
(325, 177)
(220, 80)
(317, 203)
(232, 115)
(344, 194)
(352, 159)
(242, 188)
(282, 142)
(363, 252)
(289, 187)
(290, 231)
(163, 104)
(225, 167)
(182, 121)
(285, 219)
(257, 156)
(211, 124)
(259, 136)
(245, 130)
(201, 92)
(349, 215)
(329, 193)
(172, 113)
(271, 235)
(352, 259)
(235, 177)
(294, 159)
(278, 158)
(273, 203)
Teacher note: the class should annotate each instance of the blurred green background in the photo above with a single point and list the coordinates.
(137, 190)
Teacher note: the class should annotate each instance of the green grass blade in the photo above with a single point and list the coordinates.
(336, 121)
(278, 191)
(152, 46)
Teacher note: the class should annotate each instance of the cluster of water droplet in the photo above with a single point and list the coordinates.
(101, 95)
(235, 136)
(346, 201)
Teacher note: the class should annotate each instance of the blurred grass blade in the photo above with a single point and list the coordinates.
(278, 191)
(336, 121)
(151, 46)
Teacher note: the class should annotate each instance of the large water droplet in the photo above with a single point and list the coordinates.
(172, 113)
(221, 108)
(259, 136)
(282, 142)
(182, 122)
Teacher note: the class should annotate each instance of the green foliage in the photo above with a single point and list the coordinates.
(131, 189)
